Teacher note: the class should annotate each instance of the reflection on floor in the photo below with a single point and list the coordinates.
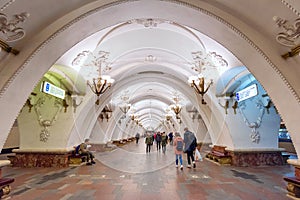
(130, 173)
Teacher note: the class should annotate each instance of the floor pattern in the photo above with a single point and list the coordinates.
(130, 173)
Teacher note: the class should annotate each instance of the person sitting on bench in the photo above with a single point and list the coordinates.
(83, 151)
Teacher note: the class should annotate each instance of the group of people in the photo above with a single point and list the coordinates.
(161, 139)
(187, 145)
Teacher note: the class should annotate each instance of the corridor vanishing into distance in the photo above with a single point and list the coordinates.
(129, 173)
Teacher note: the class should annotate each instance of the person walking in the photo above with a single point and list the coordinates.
(158, 141)
(190, 143)
(148, 142)
(164, 141)
(137, 137)
(178, 149)
(171, 138)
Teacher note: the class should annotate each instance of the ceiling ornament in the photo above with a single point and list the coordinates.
(148, 23)
(150, 58)
(290, 36)
(9, 29)
(203, 61)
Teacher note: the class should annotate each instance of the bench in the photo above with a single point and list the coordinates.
(5, 182)
(293, 186)
(76, 159)
(219, 154)
(5, 186)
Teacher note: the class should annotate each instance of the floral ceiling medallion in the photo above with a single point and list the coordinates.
(9, 30)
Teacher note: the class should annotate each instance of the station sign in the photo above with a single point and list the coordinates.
(246, 93)
(53, 90)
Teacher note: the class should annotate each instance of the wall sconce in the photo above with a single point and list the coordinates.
(65, 105)
(105, 113)
(29, 104)
(198, 83)
(168, 117)
(76, 101)
(225, 106)
(29, 101)
(235, 106)
(101, 116)
(125, 107)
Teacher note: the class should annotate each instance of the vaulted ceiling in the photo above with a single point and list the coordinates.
(149, 55)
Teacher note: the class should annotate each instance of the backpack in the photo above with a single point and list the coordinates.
(179, 146)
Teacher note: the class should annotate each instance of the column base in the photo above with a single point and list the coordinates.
(244, 158)
(39, 159)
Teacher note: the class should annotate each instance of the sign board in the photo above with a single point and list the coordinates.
(246, 93)
(53, 90)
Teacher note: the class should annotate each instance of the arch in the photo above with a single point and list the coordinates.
(267, 72)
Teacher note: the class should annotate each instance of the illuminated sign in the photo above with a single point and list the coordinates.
(53, 90)
(246, 93)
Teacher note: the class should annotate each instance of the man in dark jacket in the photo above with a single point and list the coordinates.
(190, 143)
(83, 150)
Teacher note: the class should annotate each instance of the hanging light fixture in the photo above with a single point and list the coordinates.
(101, 83)
(176, 107)
(198, 83)
(125, 105)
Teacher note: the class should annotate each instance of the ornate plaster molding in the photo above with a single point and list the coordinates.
(46, 123)
(254, 136)
(9, 28)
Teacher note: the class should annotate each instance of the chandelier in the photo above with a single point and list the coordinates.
(100, 85)
(90, 59)
(176, 107)
(198, 83)
(125, 106)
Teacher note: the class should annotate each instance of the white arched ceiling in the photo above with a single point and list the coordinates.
(249, 45)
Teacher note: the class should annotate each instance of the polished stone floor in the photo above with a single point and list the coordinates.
(129, 173)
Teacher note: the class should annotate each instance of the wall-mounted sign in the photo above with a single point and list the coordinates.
(247, 93)
(53, 90)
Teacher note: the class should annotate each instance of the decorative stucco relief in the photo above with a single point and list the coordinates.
(46, 123)
(254, 136)
(9, 29)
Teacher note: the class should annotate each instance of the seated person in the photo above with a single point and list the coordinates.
(83, 150)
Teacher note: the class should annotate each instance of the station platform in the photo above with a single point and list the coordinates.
(129, 173)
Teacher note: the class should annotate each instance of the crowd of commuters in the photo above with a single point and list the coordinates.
(186, 144)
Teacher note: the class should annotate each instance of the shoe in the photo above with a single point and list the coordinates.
(194, 165)
(188, 166)
(88, 163)
(176, 166)
(181, 167)
(93, 162)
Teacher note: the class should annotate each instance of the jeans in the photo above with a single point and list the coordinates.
(148, 148)
(178, 156)
(158, 145)
(190, 155)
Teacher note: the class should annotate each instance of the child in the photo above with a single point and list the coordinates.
(178, 148)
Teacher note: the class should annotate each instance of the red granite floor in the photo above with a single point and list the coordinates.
(130, 173)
